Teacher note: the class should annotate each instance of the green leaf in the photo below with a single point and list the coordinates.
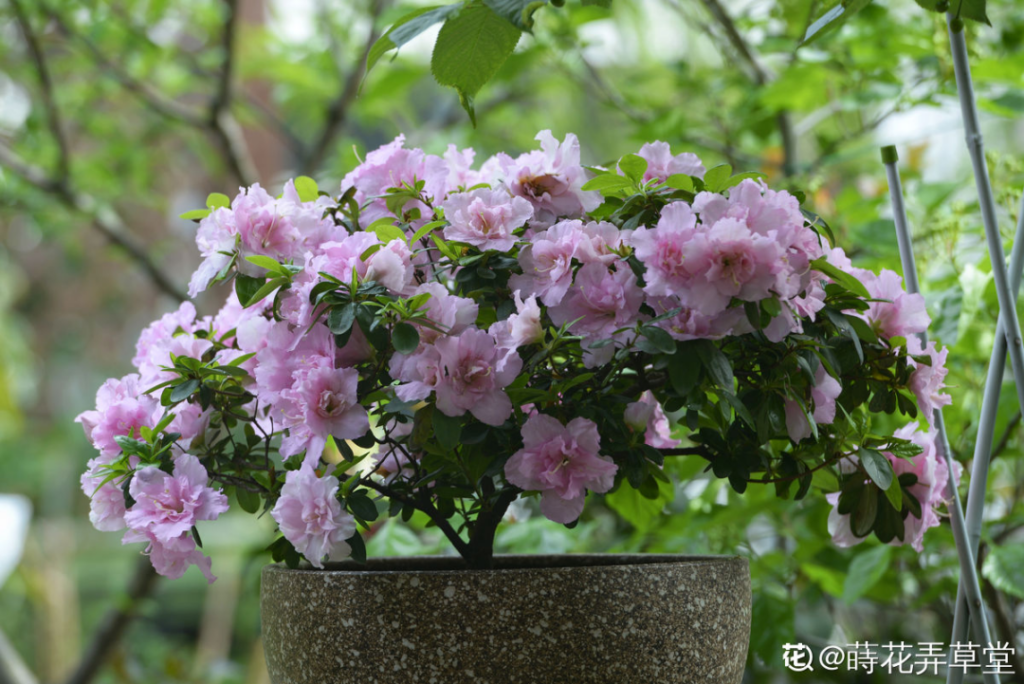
(970, 9)
(362, 506)
(216, 200)
(470, 48)
(447, 429)
(680, 181)
(247, 286)
(264, 262)
(716, 363)
(248, 501)
(740, 177)
(407, 28)
(1004, 568)
(634, 166)
(184, 390)
(684, 370)
(657, 340)
(608, 183)
(597, 3)
(638, 510)
(425, 231)
(877, 467)
(340, 320)
(716, 178)
(517, 12)
(833, 19)
(842, 277)
(405, 338)
(306, 188)
(266, 289)
(865, 571)
(386, 230)
(195, 214)
(358, 546)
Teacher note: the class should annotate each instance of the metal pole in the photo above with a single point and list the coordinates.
(968, 569)
(983, 443)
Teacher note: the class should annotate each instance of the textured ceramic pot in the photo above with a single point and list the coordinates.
(578, 619)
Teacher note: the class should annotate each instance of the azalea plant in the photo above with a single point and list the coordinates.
(444, 338)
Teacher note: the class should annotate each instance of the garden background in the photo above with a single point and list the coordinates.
(117, 116)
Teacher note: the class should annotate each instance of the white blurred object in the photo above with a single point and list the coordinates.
(15, 513)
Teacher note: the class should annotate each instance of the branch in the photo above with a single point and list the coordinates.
(222, 122)
(46, 86)
(104, 219)
(114, 623)
(337, 111)
(12, 668)
(217, 122)
(442, 523)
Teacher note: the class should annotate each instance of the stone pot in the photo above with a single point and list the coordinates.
(621, 619)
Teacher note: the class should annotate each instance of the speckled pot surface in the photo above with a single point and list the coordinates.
(577, 619)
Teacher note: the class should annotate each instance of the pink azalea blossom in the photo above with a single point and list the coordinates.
(106, 501)
(485, 218)
(391, 166)
(927, 382)
(661, 163)
(662, 250)
(902, 315)
(604, 301)
(519, 329)
(167, 506)
(649, 417)
(547, 262)
(561, 462)
(217, 239)
(391, 266)
(310, 516)
(419, 373)
(472, 380)
(322, 402)
(691, 324)
(729, 260)
(824, 393)
(173, 557)
(121, 409)
(599, 242)
(552, 179)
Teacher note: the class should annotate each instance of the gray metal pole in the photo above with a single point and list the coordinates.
(983, 443)
(968, 569)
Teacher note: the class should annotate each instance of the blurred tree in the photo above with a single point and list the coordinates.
(117, 116)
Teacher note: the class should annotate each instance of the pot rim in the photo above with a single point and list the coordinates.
(505, 563)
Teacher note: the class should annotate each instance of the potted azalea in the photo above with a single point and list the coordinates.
(447, 339)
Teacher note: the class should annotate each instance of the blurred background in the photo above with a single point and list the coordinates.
(118, 115)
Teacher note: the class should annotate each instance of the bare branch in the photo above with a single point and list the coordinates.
(114, 623)
(1004, 441)
(222, 122)
(13, 669)
(46, 86)
(337, 112)
(103, 218)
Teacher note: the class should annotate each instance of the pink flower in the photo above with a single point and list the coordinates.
(552, 179)
(561, 462)
(823, 394)
(729, 260)
(173, 557)
(599, 242)
(217, 239)
(310, 516)
(450, 313)
(662, 250)
(902, 315)
(420, 373)
(157, 333)
(167, 506)
(927, 381)
(485, 218)
(519, 329)
(472, 379)
(321, 402)
(648, 416)
(661, 163)
(390, 166)
(604, 300)
(691, 324)
(282, 352)
(106, 501)
(121, 409)
(547, 262)
(391, 266)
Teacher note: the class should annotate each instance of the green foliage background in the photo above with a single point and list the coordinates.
(723, 79)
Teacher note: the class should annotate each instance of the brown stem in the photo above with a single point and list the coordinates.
(422, 503)
(110, 630)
